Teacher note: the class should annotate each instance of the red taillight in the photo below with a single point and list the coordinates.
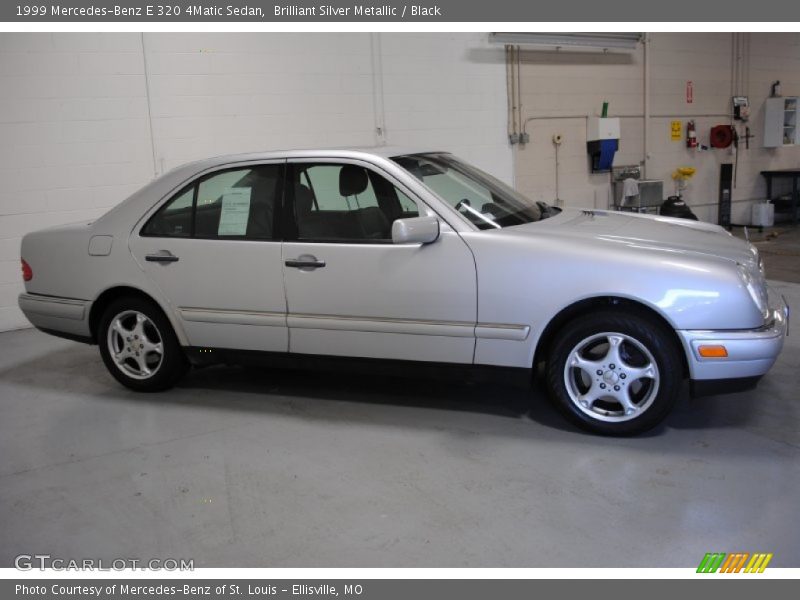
(27, 272)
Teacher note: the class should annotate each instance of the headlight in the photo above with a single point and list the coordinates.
(758, 259)
(757, 288)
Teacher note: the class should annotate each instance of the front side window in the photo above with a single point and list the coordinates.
(483, 200)
(336, 202)
(230, 204)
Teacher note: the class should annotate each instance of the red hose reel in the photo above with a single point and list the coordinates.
(721, 136)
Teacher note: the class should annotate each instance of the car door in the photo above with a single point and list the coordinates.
(352, 292)
(214, 251)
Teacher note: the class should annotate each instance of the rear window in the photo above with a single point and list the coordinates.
(231, 204)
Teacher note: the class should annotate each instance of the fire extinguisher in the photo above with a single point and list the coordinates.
(691, 135)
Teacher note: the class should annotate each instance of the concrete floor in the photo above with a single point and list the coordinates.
(236, 468)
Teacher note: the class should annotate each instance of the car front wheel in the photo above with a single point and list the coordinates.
(614, 373)
(139, 347)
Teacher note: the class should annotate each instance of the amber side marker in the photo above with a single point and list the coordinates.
(713, 351)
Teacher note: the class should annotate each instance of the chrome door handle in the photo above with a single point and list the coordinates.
(164, 257)
(305, 262)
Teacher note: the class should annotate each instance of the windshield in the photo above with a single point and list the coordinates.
(484, 201)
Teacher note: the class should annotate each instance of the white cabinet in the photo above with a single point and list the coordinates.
(780, 122)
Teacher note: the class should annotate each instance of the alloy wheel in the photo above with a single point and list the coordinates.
(611, 377)
(135, 344)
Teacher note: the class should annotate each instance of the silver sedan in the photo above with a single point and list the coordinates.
(393, 259)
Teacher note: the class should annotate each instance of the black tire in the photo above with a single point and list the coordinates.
(658, 394)
(173, 363)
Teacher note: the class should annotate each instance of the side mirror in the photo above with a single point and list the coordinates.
(419, 230)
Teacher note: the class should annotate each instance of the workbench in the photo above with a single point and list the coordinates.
(794, 176)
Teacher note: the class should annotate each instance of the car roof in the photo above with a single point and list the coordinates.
(341, 152)
(135, 205)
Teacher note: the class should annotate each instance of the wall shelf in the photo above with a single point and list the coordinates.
(780, 122)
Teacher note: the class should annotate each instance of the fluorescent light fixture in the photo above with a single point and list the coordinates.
(570, 41)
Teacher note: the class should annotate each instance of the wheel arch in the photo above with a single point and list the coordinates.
(111, 294)
(589, 305)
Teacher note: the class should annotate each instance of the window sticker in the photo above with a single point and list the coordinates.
(235, 211)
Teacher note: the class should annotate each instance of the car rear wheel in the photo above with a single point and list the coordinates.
(614, 373)
(139, 347)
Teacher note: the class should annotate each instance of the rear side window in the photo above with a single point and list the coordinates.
(232, 204)
(175, 217)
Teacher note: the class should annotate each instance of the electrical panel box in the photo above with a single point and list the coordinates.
(780, 122)
(599, 128)
(602, 142)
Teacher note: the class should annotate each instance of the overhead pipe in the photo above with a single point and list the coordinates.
(512, 112)
(645, 102)
(378, 103)
(519, 93)
(514, 93)
(733, 64)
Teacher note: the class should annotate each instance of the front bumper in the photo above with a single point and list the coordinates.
(751, 353)
(65, 317)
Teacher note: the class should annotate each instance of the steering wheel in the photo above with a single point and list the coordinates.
(463, 202)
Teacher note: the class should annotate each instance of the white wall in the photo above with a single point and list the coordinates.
(75, 113)
(578, 83)
(73, 137)
(448, 90)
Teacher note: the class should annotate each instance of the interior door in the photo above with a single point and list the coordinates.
(214, 251)
(351, 292)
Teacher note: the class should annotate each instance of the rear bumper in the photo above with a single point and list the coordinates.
(67, 317)
(751, 353)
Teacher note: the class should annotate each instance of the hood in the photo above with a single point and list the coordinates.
(649, 232)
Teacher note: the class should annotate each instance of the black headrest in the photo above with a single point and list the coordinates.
(352, 180)
(303, 199)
